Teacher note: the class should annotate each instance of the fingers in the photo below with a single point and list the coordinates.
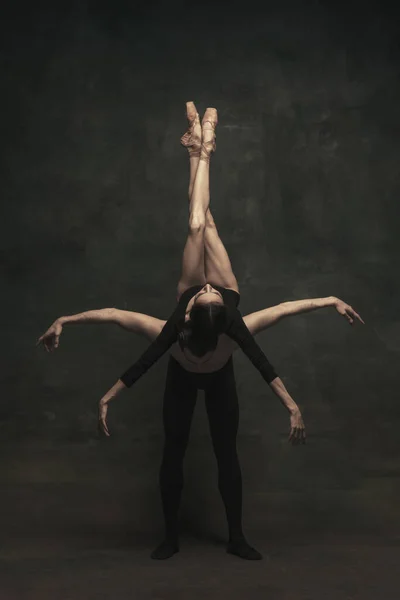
(102, 418)
(348, 311)
(103, 427)
(297, 435)
(43, 339)
(358, 317)
(354, 314)
(48, 343)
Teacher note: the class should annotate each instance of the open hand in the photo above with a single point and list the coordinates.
(103, 407)
(347, 311)
(51, 337)
(297, 429)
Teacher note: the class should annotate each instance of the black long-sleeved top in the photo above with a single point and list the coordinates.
(236, 330)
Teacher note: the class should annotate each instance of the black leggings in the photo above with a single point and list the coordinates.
(223, 415)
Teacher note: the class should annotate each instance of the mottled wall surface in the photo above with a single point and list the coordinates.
(304, 189)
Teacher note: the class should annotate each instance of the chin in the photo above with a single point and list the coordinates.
(208, 298)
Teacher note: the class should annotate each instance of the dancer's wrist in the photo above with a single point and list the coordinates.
(332, 300)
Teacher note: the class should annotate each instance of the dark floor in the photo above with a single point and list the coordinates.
(319, 567)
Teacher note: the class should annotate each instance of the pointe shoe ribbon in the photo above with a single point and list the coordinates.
(189, 140)
(211, 117)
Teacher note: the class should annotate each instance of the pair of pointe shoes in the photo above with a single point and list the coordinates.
(193, 140)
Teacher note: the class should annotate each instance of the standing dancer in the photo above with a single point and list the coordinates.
(201, 335)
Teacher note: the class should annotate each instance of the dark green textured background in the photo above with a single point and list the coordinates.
(304, 190)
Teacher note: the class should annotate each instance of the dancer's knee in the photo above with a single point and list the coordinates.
(210, 223)
(197, 223)
(175, 447)
(226, 454)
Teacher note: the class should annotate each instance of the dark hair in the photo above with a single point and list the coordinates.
(200, 333)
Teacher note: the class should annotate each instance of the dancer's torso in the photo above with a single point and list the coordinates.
(225, 346)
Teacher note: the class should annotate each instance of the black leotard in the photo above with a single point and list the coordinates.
(236, 330)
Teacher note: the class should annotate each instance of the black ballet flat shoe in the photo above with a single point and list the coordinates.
(242, 549)
(166, 549)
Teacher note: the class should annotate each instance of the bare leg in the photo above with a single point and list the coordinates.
(217, 265)
(193, 255)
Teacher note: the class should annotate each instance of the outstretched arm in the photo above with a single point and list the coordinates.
(144, 325)
(262, 319)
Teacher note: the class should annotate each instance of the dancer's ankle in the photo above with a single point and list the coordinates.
(235, 532)
(172, 536)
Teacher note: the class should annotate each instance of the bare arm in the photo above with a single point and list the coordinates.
(112, 393)
(101, 315)
(297, 429)
(140, 323)
(278, 387)
(262, 319)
